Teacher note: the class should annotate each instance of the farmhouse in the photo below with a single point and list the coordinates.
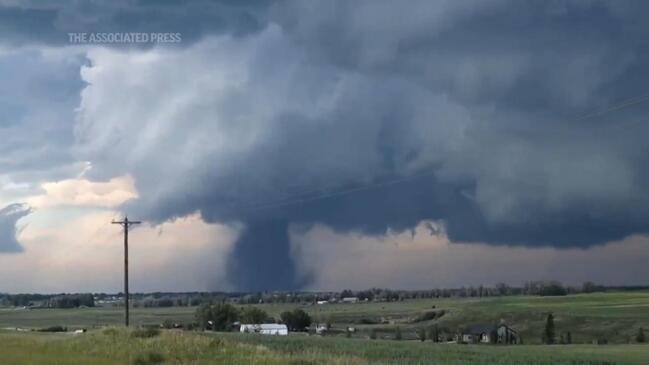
(489, 333)
(265, 329)
(350, 300)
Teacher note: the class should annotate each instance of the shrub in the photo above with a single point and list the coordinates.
(145, 332)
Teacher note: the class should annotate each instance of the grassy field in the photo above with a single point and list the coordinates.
(91, 317)
(613, 316)
(118, 346)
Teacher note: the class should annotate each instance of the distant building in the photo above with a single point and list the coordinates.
(489, 333)
(265, 329)
(350, 300)
(321, 329)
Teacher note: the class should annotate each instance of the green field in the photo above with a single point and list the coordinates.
(116, 346)
(615, 317)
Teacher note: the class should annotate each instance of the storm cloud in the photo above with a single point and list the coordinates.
(367, 116)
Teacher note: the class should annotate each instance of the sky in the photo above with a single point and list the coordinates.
(323, 145)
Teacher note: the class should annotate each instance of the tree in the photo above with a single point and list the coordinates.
(548, 333)
(253, 315)
(639, 338)
(590, 287)
(552, 288)
(421, 334)
(217, 317)
(433, 333)
(346, 293)
(296, 320)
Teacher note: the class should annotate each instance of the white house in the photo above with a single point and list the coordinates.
(265, 329)
(350, 300)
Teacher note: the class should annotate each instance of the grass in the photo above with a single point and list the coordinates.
(92, 317)
(615, 316)
(119, 346)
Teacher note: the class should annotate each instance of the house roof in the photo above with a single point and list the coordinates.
(273, 326)
(481, 328)
(485, 328)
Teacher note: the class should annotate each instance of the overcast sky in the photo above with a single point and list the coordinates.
(323, 144)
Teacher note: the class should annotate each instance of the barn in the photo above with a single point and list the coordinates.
(265, 329)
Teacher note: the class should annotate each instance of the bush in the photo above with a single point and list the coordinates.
(146, 332)
(149, 358)
(54, 329)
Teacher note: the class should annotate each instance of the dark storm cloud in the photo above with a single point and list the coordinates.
(9, 215)
(387, 115)
(49, 22)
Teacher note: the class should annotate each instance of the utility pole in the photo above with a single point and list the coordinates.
(126, 224)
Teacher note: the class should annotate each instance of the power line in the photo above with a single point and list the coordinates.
(615, 107)
(298, 200)
(313, 194)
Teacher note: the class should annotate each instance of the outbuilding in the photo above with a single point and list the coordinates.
(265, 329)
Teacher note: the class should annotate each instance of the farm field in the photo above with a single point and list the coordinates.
(614, 316)
(119, 346)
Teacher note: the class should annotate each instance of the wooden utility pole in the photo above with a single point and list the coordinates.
(126, 224)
